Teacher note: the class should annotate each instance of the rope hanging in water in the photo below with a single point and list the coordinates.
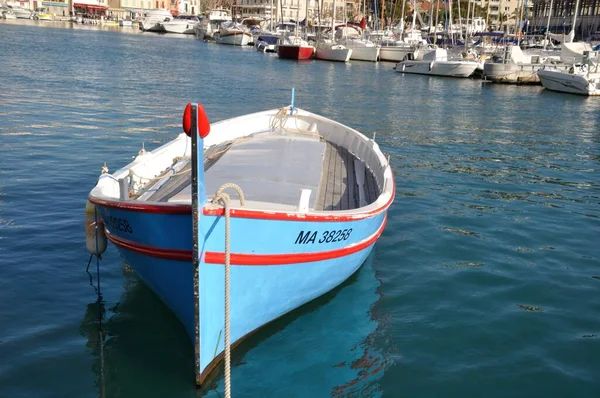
(223, 199)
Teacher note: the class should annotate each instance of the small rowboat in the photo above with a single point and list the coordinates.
(313, 201)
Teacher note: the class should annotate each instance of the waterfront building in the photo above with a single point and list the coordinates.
(283, 10)
(587, 23)
(90, 7)
(26, 4)
(56, 7)
(185, 7)
(292, 10)
(504, 14)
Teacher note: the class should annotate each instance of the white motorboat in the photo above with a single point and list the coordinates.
(153, 19)
(266, 42)
(582, 79)
(233, 34)
(436, 63)
(6, 13)
(518, 67)
(126, 23)
(20, 13)
(209, 24)
(182, 24)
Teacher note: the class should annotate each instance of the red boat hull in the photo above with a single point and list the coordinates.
(287, 51)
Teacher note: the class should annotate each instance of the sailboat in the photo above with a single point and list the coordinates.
(329, 50)
(294, 47)
(362, 49)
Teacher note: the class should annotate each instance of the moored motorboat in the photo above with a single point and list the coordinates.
(313, 205)
(210, 23)
(266, 43)
(436, 63)
(181, 24)
(152, 20)
(20, 12)
(518, 67)
(232, 33)
(582, 79)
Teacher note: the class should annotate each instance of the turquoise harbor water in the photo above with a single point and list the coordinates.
(485, 282)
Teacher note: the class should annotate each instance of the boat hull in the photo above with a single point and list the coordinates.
(233, 39)
(22, 13)
(268, 278)
(265, 47)
(370, 54)
(438, 68)
(153, 27)
(285, 51)
(394, 53)
(182, 29)
(515, 73)
(569, 83)
(333, 54)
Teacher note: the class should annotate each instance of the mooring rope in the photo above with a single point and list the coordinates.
(223, 198)
(279, 120)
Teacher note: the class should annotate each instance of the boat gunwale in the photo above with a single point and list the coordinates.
(360, 213)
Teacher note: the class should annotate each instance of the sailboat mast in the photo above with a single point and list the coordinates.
(575, 18)
(437, 14)
(548, 26)
(403, 6)
(414, 21)
(430, 19)
(271, 22)
(333, 21)
(382, 14)
(460, 22)
(469, 27)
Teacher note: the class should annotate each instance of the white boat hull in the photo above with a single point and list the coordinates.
(265, 47)
(234, 39)
(394, 53)
(22, 13)
(152, 27)
(515, 73)
(438, 68)
(570, 83)
(334, 54)
(182, 29)
(365, 53)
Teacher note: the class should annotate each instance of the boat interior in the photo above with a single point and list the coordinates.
(308, 165)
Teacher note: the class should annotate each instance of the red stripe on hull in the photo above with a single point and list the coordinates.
(247, 259)
(295, 52)
(151, 251)
(241, 213)
(164, 208)
(144, 207)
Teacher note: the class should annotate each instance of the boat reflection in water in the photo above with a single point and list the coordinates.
(145, 351)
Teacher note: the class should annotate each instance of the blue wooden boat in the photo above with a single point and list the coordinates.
(315, 200)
